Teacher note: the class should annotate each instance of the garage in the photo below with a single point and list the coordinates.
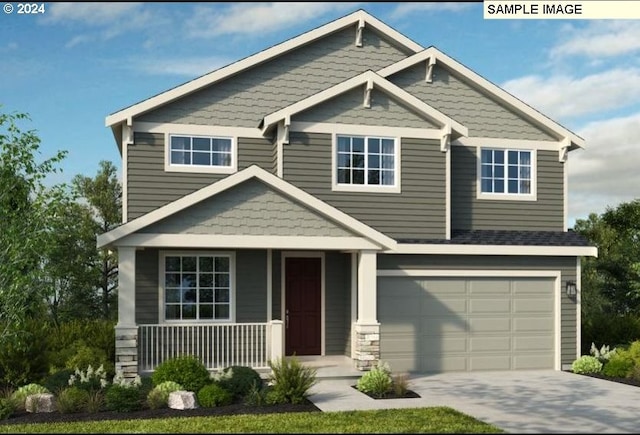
(467, 323)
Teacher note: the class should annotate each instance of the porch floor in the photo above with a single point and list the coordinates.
(331, 366)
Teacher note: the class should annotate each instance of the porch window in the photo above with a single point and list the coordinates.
(197, 287)
(366, 163)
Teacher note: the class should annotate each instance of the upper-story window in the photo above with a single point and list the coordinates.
(201, 153)
(507, 173)
(366, 163)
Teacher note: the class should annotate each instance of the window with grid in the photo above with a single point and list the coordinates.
(506, 171)
(367, 161)
(197, 287)
(201, 151)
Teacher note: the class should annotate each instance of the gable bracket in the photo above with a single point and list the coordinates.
(287, 125)
(431, 61)
(563, 152)
(359, 32)
(445, 140)
(367, 94)
(127, 132)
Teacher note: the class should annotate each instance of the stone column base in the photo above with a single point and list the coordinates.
(127, 350)
(367, 352)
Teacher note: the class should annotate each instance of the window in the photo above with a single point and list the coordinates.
(506, 172)
(197, 287)
(366, 161)
(201, 151)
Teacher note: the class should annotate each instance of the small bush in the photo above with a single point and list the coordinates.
(400, 384)
(123, 398)
(586, 364)
(90, 356)
(213, 395)
(290, 381)
(256, 396)
(20, 395)
(89, 379)
(7, 408)
(377, 381)
(23, 354)
(72, 399)
(158, 397)
(603, 354)
(187, 371)
(58, 381)
(239, 381)
(95, 401)
(619, 365)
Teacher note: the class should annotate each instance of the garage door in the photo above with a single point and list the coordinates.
(462, 324)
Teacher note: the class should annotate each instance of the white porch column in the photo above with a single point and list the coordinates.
(367, 328)
(126, 329)
(277, 348)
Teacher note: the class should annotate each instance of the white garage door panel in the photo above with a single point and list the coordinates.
(434, 324)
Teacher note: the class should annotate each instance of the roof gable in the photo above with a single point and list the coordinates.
(360, 18)
(313, 204)
(433, 56)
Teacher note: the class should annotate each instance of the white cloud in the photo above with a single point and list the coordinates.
(600, 39)
(257, 18)
(188, 67)
(89, 13)
(564, 96)
(606, 173)
(410, 8)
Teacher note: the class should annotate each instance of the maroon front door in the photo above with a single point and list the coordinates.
(303, 279)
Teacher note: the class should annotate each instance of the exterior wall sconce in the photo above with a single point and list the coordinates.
(571, 288)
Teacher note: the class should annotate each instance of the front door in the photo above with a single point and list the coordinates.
(303, 281)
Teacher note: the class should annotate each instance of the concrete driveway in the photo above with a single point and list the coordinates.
(517, 402)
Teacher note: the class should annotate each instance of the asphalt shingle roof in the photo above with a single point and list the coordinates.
(505, 237)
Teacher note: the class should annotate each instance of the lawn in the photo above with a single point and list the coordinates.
(412, 420)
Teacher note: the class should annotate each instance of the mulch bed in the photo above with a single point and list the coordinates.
(409, 394)
(235, 409)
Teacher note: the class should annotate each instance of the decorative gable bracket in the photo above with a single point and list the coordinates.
(445, 140)
(563, 152)
(431, 61)
(359, 32)
(127, 132)
(283, 132)
(367, 94)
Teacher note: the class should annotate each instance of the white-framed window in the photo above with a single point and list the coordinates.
(506, 173)
(195, 153)
(366, 163)
(197, 286)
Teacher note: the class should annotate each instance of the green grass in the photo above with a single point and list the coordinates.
(411, 420)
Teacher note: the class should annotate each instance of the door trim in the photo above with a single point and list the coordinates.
(304, 254)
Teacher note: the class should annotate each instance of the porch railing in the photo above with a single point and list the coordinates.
(217, 345)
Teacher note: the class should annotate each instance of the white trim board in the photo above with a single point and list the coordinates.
(297, 194)
(453, 249)
(352, 19)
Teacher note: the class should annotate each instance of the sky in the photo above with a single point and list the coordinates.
(71, 66)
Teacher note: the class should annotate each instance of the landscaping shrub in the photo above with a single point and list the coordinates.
(72, 399)
(238, 380)
(619, 365)
(19, 396)
(377, 381)
(187, 371)
(290, 381)
(23, 356)
(7, 408)
(123, 398)
(213, 395)
(256, 396)
(158, 397)
(618, 330)
(400, 384)
(90, 356)
(58, 380)
(586, 364)
(89, 379)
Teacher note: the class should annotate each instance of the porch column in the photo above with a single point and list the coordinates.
(126, 329)
(367, 328)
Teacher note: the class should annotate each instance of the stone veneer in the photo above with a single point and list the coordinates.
(127, 351)
(367, 353)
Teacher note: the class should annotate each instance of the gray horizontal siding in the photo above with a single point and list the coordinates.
(149, 186)
(348, 108)
(470, 213)
(251, 208)
(417, 212)
(147, 288)
(338, 303)
(566, 265)
(452, 95)
(244, 99)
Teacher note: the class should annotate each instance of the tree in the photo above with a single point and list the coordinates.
(103, 194)
(26, 208)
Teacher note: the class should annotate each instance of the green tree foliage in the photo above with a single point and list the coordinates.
(103, 194)
(26, 208)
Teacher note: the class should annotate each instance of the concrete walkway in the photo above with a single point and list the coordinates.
(516, 402)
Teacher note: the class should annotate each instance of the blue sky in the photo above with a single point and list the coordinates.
(79, 62)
